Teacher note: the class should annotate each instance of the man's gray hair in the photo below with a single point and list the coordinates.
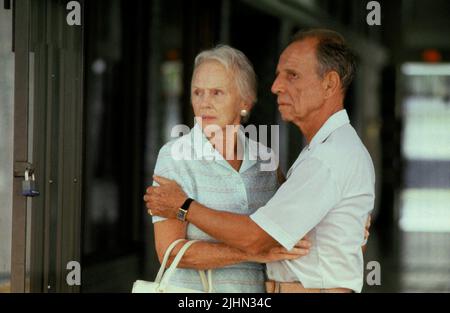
(237, 63)
(332, 52)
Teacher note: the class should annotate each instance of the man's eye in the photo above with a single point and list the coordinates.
(196, 93)
(292, 75)
(217, 92)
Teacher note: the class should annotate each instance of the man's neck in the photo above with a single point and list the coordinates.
(312, 124)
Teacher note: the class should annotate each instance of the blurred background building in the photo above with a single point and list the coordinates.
(89, 106)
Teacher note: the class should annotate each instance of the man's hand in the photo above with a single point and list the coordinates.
(366, 233)
(164, 200)
(279, 253)
(368, 222)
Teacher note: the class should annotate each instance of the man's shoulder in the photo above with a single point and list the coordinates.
(342, 147)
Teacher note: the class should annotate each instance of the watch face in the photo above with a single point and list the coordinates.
(181, 214)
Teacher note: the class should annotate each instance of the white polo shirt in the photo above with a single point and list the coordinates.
(328, 194)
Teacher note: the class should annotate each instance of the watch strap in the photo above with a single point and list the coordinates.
(183, 210)
(187, 203)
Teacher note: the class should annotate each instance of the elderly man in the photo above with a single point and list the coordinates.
(329, 191)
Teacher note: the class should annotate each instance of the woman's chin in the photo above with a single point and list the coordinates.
(211, 125)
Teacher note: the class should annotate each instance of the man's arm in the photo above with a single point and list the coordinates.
(207, 255)
(295, 209)
(228, 223)
(203, 254)
(236, 230)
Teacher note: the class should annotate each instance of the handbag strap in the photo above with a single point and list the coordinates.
(206, 280)
(166, 258)
(175, 262)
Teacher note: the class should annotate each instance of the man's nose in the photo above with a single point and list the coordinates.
(277, 86)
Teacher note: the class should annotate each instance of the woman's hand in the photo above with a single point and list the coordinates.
(280, 253)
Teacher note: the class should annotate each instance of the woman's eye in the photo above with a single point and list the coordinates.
(217, 92)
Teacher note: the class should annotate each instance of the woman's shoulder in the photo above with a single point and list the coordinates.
(176, 149)
(171, 161)
(264, 155)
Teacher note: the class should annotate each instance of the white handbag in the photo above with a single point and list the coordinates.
(162, 281)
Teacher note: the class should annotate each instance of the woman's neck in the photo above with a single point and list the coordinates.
(226, 143)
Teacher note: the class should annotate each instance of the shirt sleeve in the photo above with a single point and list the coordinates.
(300, 203)
(165, 167)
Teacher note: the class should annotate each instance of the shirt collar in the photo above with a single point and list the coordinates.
(250, 150)
(204, 150)
(334, 122)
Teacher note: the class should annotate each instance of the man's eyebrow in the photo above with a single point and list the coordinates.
(291, 71)
(286, 70)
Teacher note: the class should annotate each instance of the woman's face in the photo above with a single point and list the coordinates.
(215, 97)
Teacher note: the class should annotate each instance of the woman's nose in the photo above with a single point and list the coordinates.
(205, 101)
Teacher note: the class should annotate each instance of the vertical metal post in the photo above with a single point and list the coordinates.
(154, 137)
(225, 22)
(20, 154)
(57, 131)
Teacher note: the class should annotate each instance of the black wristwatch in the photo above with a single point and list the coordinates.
(182, 212)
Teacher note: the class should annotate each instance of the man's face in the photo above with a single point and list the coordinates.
(297, 84)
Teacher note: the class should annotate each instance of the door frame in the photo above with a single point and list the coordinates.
(20, 150)
(52, 51)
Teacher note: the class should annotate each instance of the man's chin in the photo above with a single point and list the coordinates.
(286, 117)
(285, 113)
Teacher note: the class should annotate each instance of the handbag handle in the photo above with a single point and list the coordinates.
(206, 281)
(175, 262)
(165, 259)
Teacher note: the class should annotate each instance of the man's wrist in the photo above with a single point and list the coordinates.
(249, 257)
(183, 210)
(189, 212)
(182, 202)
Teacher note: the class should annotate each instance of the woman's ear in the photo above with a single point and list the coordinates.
(331, 83)
(245, 111)
(248, 105)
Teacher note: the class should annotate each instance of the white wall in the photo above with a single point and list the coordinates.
(6, 140)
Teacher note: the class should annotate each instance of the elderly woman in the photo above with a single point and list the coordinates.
(221, 171)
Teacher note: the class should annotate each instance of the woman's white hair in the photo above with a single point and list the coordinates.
(236, 62)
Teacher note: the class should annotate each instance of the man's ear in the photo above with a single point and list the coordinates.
(331, 83)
